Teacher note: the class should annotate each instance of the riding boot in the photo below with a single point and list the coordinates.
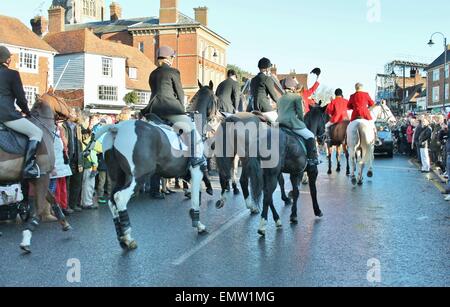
(313, 157)
(31, 169)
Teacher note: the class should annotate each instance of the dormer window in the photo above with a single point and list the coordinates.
(132, 72)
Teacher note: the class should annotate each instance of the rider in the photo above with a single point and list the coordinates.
(167, 101)
(228, 93)
(11, 90)
(337, 110)
(263, 86)
(290, 114)
(307, 93)
(360, 102)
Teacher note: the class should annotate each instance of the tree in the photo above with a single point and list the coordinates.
(325, 94)
(131, 98)
(242, 75)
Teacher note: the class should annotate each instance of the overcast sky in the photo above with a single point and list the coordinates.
(350, 40)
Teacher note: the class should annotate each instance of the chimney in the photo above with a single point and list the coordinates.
(168, 11)
(39, 25)
(115, 11)
(56, 19)
(201, 15)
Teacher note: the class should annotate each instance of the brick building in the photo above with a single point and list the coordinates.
(202, 53)
(31, 56)
(438, 82)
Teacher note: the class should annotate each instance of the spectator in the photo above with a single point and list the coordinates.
(90, 165)
(409, 138)
(424, 143)
(416, 136)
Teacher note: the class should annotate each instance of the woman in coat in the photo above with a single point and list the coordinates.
(290, 114)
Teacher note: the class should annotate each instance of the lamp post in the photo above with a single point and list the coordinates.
(394, 78)
(431, 43)
(203, 61)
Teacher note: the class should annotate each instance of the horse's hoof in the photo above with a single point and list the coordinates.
(262, 233)
(294, 220)
(370, 174)
(347, 173)
(354, 181)
(279, 224)
(26, 249)
(254, 211)
(288, 203)
(236, 192)
(67, 228)
(132, 246)
(123, 245)
(360, 182)
(220, 204)
(188, 195)
(291, 195)
(202, 231)
(210, 191)
(330, 172)
(338, 170)
(319, 214)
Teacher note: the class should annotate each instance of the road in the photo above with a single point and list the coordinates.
(397, 220)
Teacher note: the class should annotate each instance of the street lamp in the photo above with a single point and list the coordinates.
(431, 44)
(203, 61)
(394, 80)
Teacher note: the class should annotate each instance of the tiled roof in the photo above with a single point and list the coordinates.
(14, 32)
(84, 41)
(440, 60)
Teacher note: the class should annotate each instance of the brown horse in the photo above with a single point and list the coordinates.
(338, 138)
(47, 109)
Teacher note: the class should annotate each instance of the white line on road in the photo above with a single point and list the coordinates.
(211, 237)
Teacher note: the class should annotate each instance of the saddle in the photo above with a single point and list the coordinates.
(166, 126)
(262, 117)
(289, 131)
(12, 142)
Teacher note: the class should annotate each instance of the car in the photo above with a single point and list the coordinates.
(387, 141)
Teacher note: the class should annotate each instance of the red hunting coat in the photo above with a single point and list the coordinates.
(360, 102)
(337, 109)
(307, 100)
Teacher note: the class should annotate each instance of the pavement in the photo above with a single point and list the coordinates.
(392, 231)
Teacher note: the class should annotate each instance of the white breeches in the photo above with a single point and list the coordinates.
(304, 133)
(271, 116)
(25, 127)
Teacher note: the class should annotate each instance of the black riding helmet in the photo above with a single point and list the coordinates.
(338, 92)
(4, 54)
(264, 63)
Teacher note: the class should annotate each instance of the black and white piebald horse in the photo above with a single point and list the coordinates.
(265, 155)
(135, 150)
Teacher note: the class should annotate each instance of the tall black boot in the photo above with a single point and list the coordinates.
(313, 158)
(31, 169)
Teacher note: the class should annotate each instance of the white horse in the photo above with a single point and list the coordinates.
(361, 145)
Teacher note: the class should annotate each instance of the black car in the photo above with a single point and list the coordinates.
(387, 142)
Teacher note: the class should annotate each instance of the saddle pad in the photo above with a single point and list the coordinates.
(12, 142)
(298, 137)
(174, 139)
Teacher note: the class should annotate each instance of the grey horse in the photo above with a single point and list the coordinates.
(135, 150)
(287, 151)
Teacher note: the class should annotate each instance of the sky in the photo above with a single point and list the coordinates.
(349, 40)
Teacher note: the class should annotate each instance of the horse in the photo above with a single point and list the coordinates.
(44, 112)
(135, 150)
(338, 139)
(287, 155)
(361, 145)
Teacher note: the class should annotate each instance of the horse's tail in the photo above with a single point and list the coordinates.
(256, 178)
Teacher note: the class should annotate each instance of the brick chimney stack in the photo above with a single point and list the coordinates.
(201, 15)
(56, 19)
(168, 11)
(115, 11)
(39, 25)
(273, 70)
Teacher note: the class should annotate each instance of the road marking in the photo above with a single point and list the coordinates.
(211, 237)
(397, 167)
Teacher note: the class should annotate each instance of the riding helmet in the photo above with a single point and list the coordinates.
(264, 63)
(338, 92)
(290, 83)
(165, 52)
(4, 54)
(316, 71)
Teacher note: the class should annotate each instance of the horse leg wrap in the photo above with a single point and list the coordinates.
(195, 216)
(125, 223)
(118, 228)
(58, 212)
(33, 224)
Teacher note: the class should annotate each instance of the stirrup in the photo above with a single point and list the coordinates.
(313, 162)
(26, 175)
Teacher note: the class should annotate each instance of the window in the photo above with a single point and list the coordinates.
(107, 67)
(132, 72)
(436, 94)
(143, 97)
(436, 75)
(89, 8)
(108, 93)
(28, 61)
(30, 94)
(141, 46)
